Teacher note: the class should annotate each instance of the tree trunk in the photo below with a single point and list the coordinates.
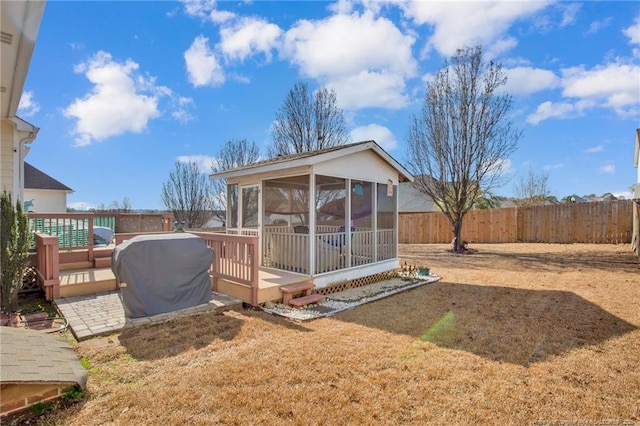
(458, 244)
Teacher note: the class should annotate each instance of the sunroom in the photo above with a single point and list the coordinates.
(328, 216)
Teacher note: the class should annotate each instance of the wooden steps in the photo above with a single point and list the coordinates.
(86, 281)
(307, 297)
(299, 302)
(102, 262)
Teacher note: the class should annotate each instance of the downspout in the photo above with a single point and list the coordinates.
(23, 134)
(23, 149)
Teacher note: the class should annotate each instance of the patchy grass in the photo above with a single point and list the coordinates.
(513, 334)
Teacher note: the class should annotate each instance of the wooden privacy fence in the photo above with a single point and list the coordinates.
(605, 222)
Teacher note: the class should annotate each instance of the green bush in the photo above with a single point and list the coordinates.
(14, 249)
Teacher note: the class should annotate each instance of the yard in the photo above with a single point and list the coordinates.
(513, 334)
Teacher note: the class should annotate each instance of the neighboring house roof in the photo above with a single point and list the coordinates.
(314, 157)
(505, 203)
(578, 199)
(37, 179)
(410, 200)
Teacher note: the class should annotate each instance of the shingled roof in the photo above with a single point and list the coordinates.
(37, 179)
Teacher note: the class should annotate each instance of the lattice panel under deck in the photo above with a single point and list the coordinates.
(358, 282)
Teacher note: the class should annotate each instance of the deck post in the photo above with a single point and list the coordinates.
(254, 261)
(90, 236)
(48, 265)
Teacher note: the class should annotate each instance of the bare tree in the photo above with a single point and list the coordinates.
(115, 206)
(532, 190)
(234, 153)
(187, 193)
(308, 122)
(459, 142)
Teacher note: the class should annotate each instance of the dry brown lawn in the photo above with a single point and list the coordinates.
(514, 334)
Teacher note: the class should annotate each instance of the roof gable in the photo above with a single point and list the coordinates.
(315, 157)
(37, 179)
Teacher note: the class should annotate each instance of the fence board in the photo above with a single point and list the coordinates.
(606, 222)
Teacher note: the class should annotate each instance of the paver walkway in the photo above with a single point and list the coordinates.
(103, 313)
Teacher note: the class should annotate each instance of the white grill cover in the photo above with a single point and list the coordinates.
(162, 273)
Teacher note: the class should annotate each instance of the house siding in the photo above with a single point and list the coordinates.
(364, 165)
(6, 157)
(46, 201)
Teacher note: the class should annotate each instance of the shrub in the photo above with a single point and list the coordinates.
(14, 249)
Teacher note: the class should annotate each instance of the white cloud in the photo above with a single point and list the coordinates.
(221, 16)
(341, 6)
(613, 86)
(347, 44)
(608, 168)
(376, 132)
(27, 106)
(633, 32)
(365, 58)
(594, 149)
(206, 10)
(502, 166)
(199, 8)
(249, 36)
(553, 166)
(552, 110)
(205, 163)
(569, 12)
(203, 68)
(596, 26)
(370, 89)
(527, 80)
(464, 24)
(116, 103)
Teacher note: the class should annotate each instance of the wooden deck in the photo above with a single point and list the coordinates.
(269, 283)
(82, 282)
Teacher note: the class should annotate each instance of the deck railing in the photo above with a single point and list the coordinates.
(287, 251)
(387, 244)
(235, 259)
(74, 230)
(290, 251)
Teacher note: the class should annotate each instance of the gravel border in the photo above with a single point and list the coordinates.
(347, 299)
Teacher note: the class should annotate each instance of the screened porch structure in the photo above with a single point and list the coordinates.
(331, 215)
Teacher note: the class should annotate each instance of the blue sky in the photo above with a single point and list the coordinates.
(121, 90)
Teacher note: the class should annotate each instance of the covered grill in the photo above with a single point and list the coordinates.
(162, 273)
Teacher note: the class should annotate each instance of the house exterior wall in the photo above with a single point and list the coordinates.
(364, 165)
(46, 201)
(7, 157)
